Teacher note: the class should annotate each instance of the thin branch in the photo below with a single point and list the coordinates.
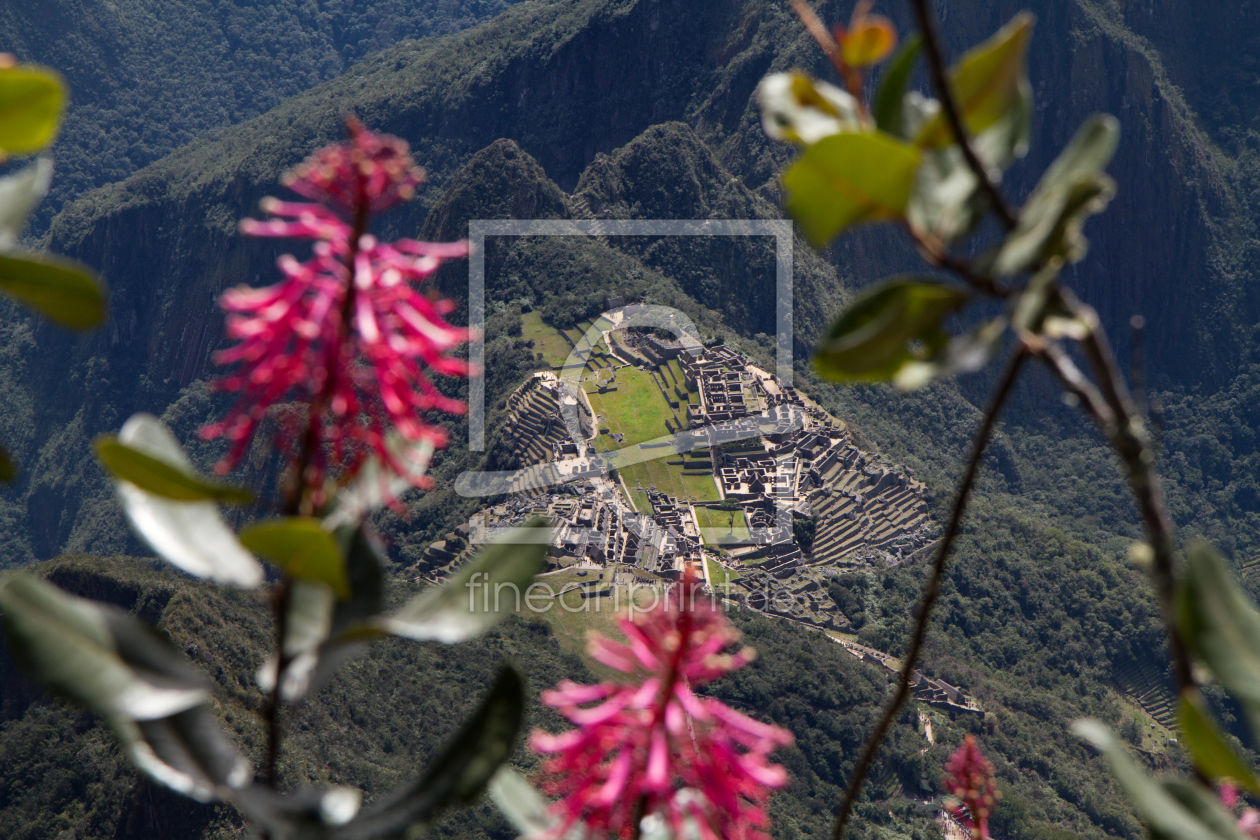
(300, 501)
(1137, 363)
(936, 63)
(817, 29)
(934, 252)
(1073, 381)
(280, 608)
(1133, 446)
(931, 591)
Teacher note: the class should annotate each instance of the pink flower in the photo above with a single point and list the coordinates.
(1248, 818)
(969, 776)
(344, 331)
(654, 747)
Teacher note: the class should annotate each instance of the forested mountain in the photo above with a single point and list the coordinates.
(148, 76)
(642, 109)
(543, 75)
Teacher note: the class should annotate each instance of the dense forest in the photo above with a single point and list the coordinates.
(149, 77)
(184, 115)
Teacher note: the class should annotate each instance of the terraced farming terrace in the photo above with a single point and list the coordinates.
(651, 454)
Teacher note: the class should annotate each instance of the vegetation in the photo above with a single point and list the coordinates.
(548, 343)
(727, 525)
(634, 408)
(394, 707)
(1014, 627)
(891, 159)
(150, 77)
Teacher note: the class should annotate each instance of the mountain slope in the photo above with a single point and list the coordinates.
(149, 76)
(642, 108)
(1012, 626)
(544, 76)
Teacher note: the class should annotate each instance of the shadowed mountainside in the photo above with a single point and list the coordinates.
(149, 76)
(641, 108)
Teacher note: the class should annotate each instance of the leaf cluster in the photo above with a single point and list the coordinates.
(330, 607)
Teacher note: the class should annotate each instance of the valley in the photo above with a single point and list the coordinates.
(814, 529)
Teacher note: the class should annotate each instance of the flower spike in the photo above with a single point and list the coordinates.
(969, 777)
(345, 331)
(653, 748)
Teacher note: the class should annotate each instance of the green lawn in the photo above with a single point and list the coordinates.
(675, 367)
(719, 576)
(668, 479)
(720, 521)
(580, 330)
(635, 409)
(571, 617)
(638, 411)
(547, 340)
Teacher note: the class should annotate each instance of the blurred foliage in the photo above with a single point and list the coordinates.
(390, 711)
(166, 236)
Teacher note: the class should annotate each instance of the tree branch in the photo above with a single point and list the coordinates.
(280, 608)
(1127, 433)
(936, 63)
(818, 30)
(931, 591)
(1072, 380)
(934, 252)
(300, 501)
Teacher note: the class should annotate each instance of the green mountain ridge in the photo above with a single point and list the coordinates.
(1011, 630)
(641, 108)
(148, 76)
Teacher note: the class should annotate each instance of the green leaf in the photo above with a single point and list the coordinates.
(1205, 805)
(522, 804)
(1038, 310)
(1072, 189)
(1222, 627)
(67, 644)
(985, 83)
(301, 547)
(802, 110)
(162, 479)
(847, 179)
(965, 353)
(365, 571)
(189, 753)
(324, 633)
(190, 535)
(947, 200)
(307, 621)
(351, 629)
(19, 193)
(1162, 812)
(1004, 142)
(872, 339)
(377, 485)
(305, 814)
(459, 774)
(889, 108)
(61, 290)
(483, 593)
(119, 667)
(31, 101)
(1211, 752)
